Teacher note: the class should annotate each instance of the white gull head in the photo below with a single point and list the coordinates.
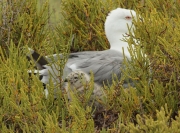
(116, 28)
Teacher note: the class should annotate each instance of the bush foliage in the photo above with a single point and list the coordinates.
(152, 105)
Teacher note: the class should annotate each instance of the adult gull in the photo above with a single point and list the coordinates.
(103, 64)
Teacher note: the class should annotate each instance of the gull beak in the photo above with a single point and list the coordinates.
(141, 19)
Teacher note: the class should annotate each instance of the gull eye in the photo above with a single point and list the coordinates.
(128, 17)
(75, 77)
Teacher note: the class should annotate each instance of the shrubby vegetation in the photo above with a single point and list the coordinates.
(152, 105)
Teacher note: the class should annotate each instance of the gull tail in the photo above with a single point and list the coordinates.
(40, 63)
(39, 60)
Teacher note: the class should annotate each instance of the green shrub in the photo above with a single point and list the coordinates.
(152, 105)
